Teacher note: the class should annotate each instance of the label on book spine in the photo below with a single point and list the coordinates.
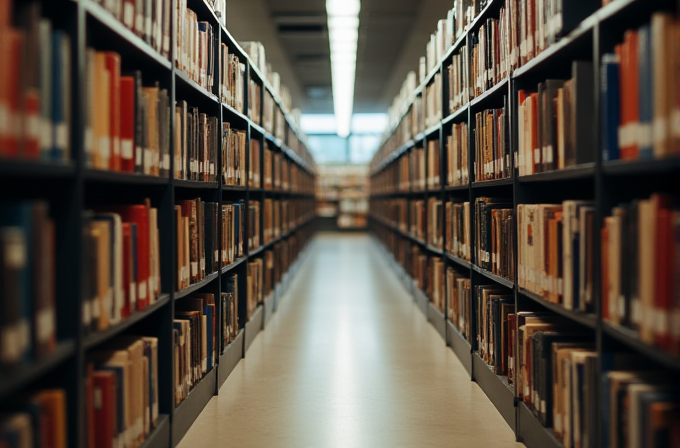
(194, 268)
(45, 323)
(143, 290)
(61, 136)
(660, 130)
(126, 149)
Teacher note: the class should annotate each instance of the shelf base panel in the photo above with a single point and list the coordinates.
(253, 328)
(268, 308)
(160, 436)
(189, 410)
(460, 347)
(532, 433)
(496, 389)
(230, 358)
(437, 320)
(421, 301)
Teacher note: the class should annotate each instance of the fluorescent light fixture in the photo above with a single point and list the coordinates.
(343, 8)
(343, 29)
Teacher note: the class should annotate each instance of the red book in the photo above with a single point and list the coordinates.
(104, 388)
(113, 67)
(89, 406)
(535, 153)
(5, 14)
(139, 214)
(127, 124)
(128, 282)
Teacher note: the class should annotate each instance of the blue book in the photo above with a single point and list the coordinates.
(646, 148)
(20, 214)
(61, 93)
(611, 107)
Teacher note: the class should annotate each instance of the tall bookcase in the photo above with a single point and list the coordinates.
(70, 188)
(607, 183)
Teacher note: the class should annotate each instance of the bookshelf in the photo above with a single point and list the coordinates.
(603, 183)
(342, 195)
(71, 187)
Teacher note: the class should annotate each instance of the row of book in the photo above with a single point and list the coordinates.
(457, 144)
(494, 230)
(195, 46)
(555, 124)
(233, 156)
(459, 302)
(199, 249)
(35, 85)
(38, 420)
(488, 65)
(197, 144)
(122, 396)
(418, 217)
(640, 247)
(640, 99)
(122, 275)
(127, 125)
(418, 267)
(254, 168)
(432, 102)
(255, 102)
(459, 82)
(492, 144)
(28, 323)
(233, 79)
(149, 20)
(555, 245)
(255, 286)
(493, 305)
(435, 233)
(195, 340)
(436, 283)
(457, 229)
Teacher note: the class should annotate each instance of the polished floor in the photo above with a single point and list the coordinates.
(349, 361)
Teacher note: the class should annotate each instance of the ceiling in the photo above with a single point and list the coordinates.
(392, 37)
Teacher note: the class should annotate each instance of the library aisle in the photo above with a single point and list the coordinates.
(349, 361)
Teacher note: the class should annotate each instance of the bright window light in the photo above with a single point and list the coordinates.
(343, 29)
(318, 124)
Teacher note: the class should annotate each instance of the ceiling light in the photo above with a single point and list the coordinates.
(343, 30)
(343, 7)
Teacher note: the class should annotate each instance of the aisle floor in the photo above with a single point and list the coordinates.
(349, 361)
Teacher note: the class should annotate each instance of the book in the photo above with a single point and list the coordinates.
(124, 391)
(195, 47)
(492, 145)
(639, 97)
(638, 293)
(197, 146)
(459, 302)
(28, 326)
(128, 124)
(494, 222)
(457, 144)
(457, 229)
